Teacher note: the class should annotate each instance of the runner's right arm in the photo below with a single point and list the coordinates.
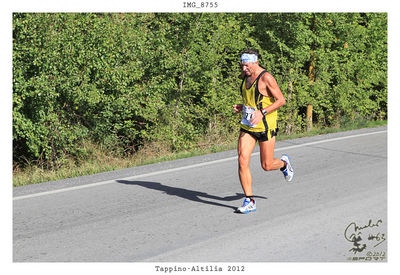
(238, 108)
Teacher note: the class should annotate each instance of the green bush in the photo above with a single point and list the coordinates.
(123, 80)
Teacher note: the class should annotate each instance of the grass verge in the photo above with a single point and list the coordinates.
(100, 160)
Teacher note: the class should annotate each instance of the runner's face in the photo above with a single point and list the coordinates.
(248, 68)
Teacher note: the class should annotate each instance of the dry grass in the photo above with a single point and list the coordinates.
(99, 159)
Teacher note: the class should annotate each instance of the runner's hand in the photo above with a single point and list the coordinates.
(257, 116)
(238, 108)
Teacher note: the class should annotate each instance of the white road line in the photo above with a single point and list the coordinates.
(186, 167)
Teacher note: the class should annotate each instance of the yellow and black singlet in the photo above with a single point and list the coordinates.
(253, 100)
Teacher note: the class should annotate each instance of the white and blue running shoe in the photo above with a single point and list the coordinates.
(248, 206)
(288, 173)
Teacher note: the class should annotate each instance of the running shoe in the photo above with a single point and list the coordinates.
(288, 173)
(248, 206)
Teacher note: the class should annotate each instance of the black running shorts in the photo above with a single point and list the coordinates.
(261, 136)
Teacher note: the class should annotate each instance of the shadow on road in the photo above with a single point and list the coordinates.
(187, 194)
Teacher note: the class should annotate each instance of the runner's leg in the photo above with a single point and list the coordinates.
(246, 146)
(268, 162)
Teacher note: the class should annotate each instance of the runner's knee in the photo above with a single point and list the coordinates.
(243, 161)
(267, 166)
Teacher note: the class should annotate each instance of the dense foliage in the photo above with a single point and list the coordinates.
(122, 80)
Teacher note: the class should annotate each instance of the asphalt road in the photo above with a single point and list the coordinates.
(335, 210)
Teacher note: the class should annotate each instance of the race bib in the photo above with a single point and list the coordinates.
(248, 115)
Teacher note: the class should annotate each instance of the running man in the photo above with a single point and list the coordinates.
(261, 99)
